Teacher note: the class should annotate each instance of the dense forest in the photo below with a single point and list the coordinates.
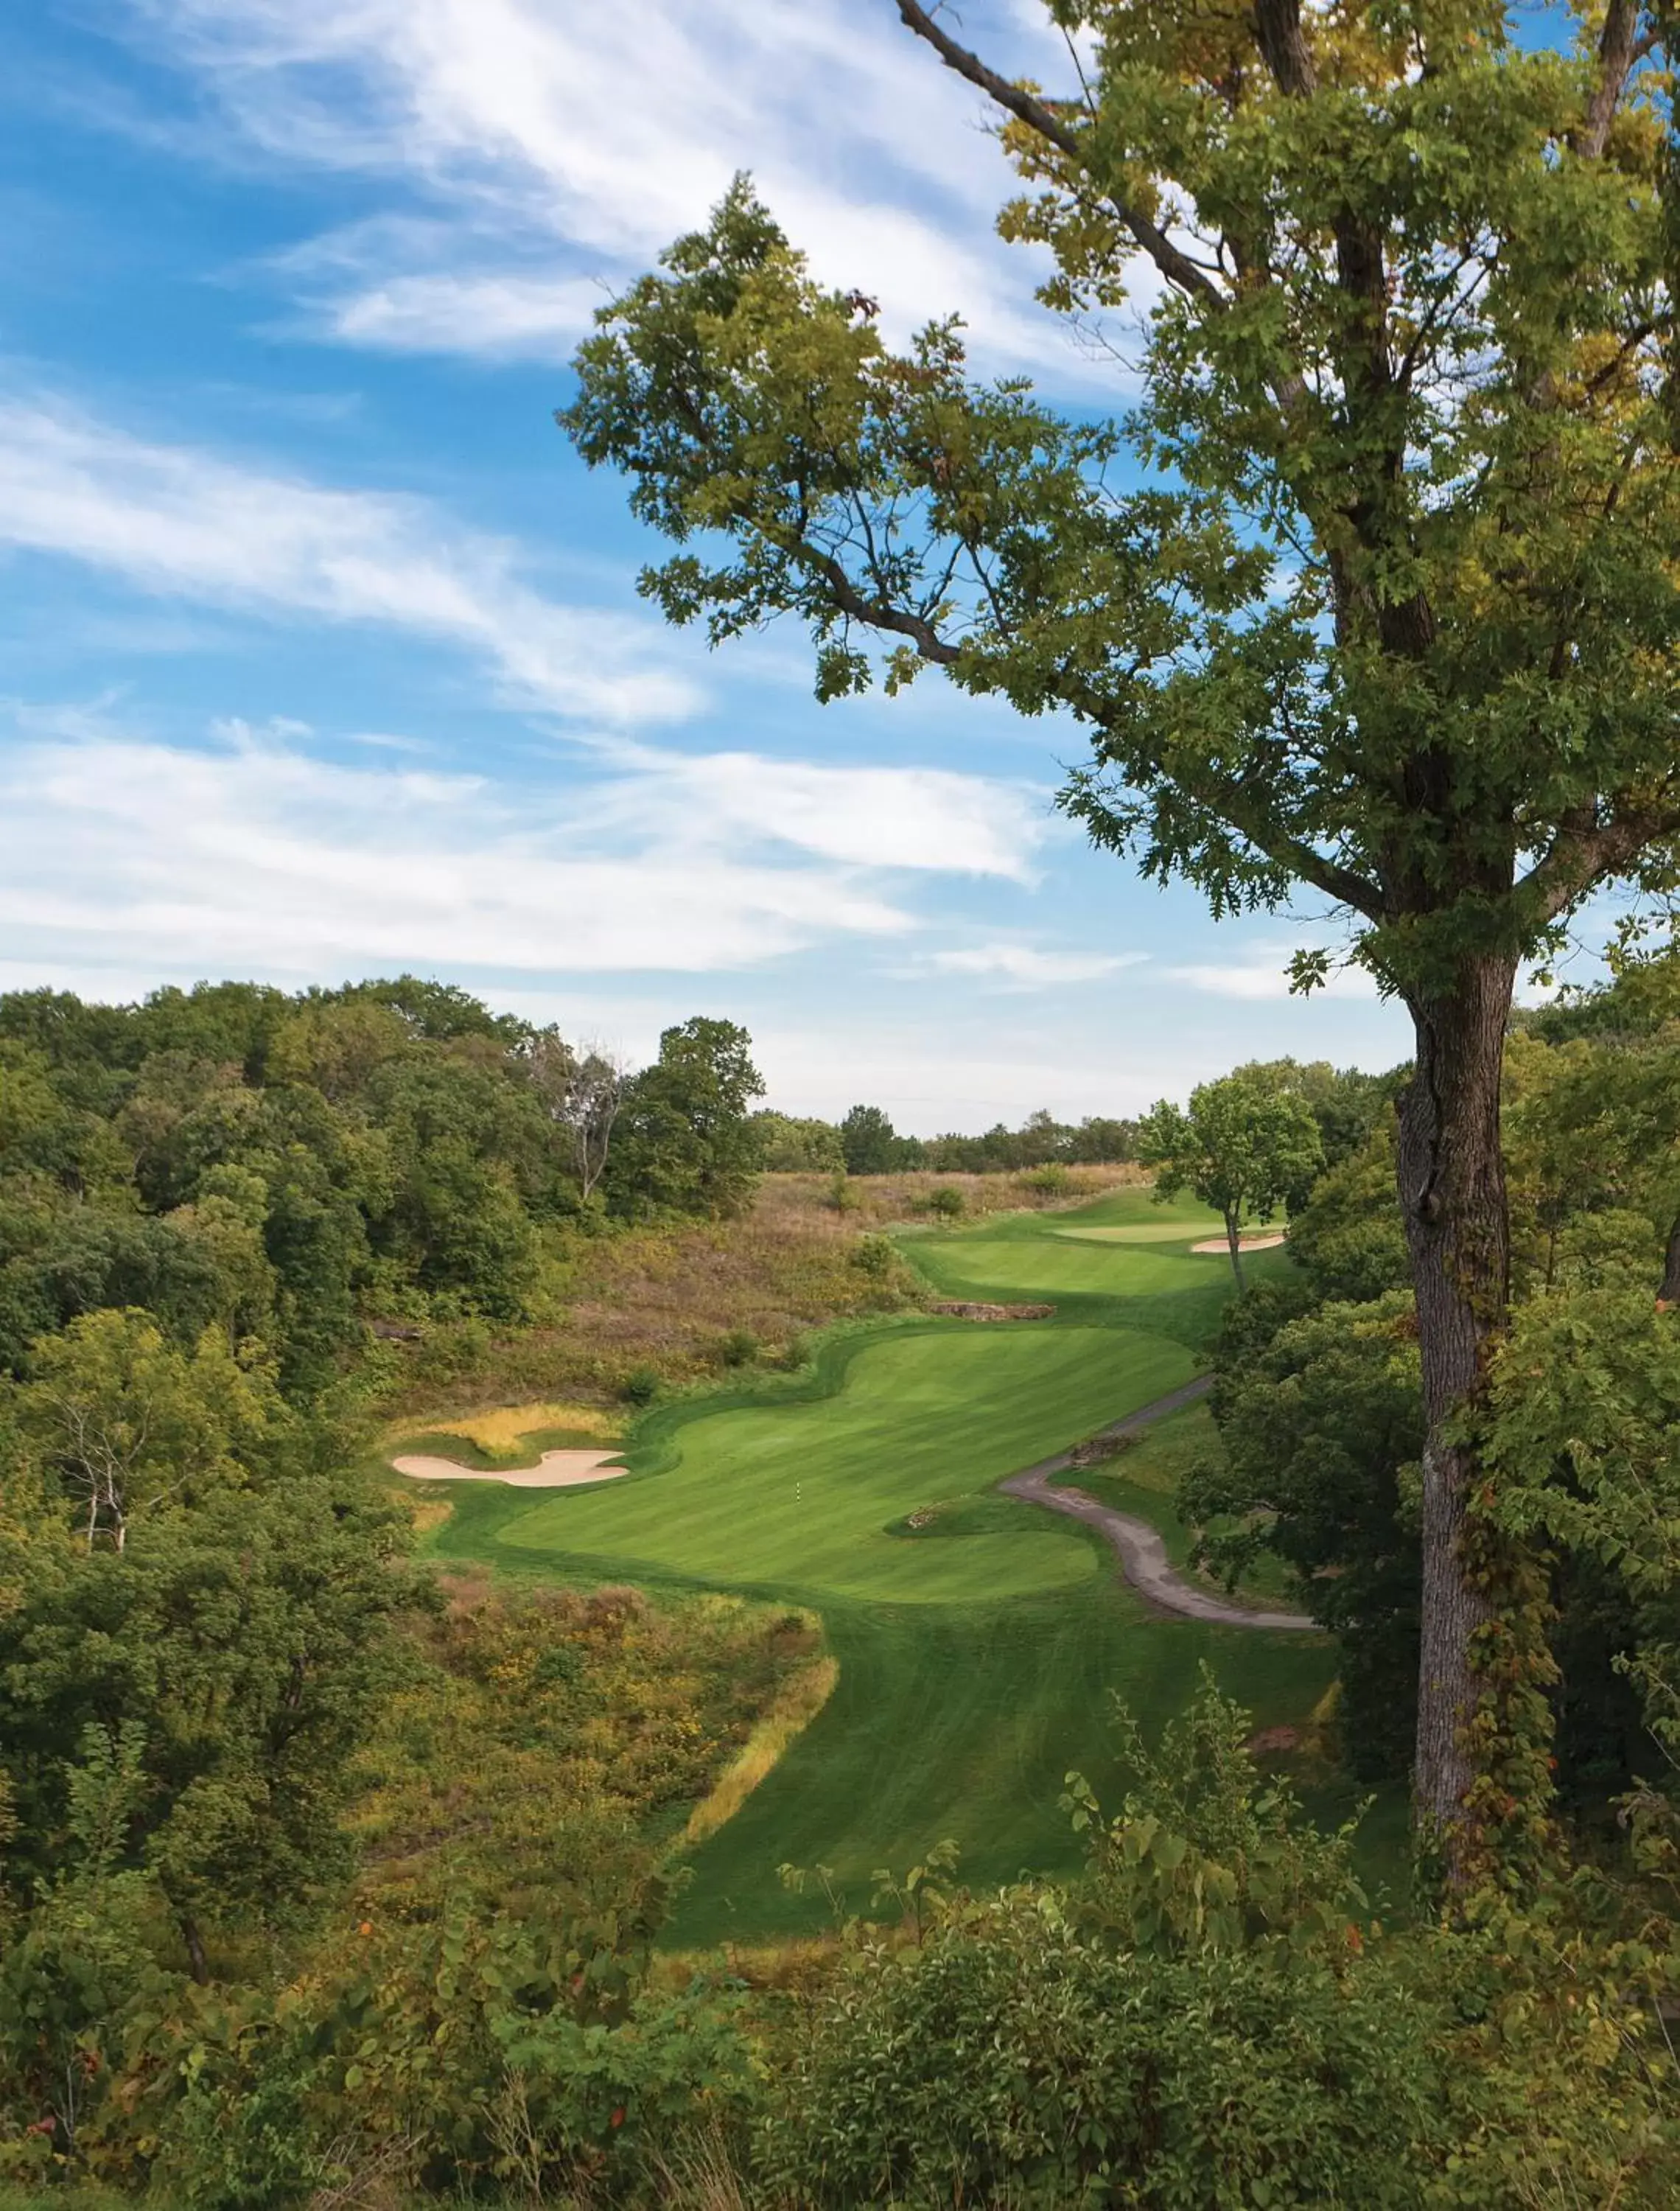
(295, 1169)
(329, 1880)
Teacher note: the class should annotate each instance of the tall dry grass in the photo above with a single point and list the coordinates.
(796, 1704)
(687, 1300)
(499, 1427)
(880, 1201)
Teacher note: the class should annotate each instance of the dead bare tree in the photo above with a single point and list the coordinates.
(581, 1091)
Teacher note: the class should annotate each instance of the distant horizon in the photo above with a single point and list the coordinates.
(933, 1115)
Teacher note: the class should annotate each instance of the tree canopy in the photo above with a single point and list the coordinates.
(1245, 1147)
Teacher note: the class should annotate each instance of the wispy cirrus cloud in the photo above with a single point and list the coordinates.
(921, 819)
(498, 316)
(1024, 966)
(176, 521)
(255, 854)
(1261, 972)
(543, 144)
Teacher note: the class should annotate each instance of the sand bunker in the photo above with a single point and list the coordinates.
(555, 1469)
(1247, 1243)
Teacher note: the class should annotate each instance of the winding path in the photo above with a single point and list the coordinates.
(1143, 1555)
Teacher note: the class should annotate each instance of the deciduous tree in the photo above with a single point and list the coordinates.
(687, 1140)
(1392, 613)
(1244, 1147)
(868, 1140)
(130, 1423)
(582, 1094)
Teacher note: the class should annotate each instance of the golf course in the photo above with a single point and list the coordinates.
(978, 1635)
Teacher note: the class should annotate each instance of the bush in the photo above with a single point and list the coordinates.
(841, 1195)
(737, 1347)
(641, 1385)
(1051, 1180)
(947, 1202)
(1169, 2083)
(874, 1256)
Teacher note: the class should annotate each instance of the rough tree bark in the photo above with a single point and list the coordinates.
(1669, 1293)
(1452, 1187)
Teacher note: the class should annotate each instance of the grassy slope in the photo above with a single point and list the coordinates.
(974, 1666)
(670, 1297)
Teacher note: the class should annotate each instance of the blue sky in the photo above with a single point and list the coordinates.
(322, 656)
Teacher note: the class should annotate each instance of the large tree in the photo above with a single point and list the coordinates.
(1392, 616)
(686, 1141)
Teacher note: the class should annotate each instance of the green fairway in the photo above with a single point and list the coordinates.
(975, 1653)
(806, 1494)
(1139, 1231)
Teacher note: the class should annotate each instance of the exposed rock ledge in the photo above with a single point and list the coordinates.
(964, 1311)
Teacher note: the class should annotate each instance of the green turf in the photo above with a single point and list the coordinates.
(975, 1655)
(964, 1722)
(1124, 1261)
(806, 1494)
(1142, 1232)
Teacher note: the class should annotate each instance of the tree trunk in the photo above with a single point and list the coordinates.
(1669, 1292)
(1452, 1188)
(1234, 1237)
(194, 1942)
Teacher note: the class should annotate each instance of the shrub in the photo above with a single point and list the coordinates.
(874, 1256)
(947, 1202)
(1170, 2083)
(641, 1385)
(1051, 1180)
(737, 1347)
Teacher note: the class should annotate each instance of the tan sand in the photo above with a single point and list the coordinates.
(1247, 1243)
(555, 1469)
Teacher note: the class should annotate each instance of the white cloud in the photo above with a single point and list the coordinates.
(551, 143)
(927, 1084)
(877, 817)
(254, 856)
(176, 521)
(500, 316)
(1263, 973)
(1024, 966)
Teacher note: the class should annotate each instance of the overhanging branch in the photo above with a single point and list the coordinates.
(1579, 859)
(1176, 267)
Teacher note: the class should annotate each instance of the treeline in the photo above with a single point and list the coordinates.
(865, 1142)
(295, 1169)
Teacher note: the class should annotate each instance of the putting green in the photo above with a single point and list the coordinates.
(975, 1654)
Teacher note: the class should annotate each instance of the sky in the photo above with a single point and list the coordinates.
(320, 650)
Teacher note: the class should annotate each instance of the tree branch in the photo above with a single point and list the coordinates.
(1579, 858)
(876, 613)
(1342, 884)
(1618, 50)
(1277, 26)
(1176, 267)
